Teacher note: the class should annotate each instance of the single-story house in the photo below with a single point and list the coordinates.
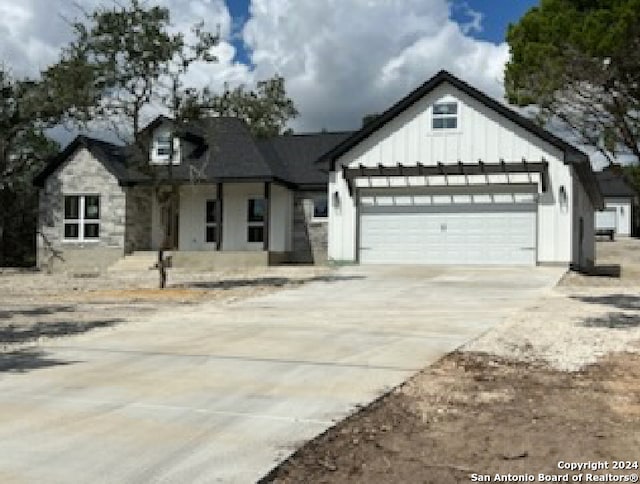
(449, 175)
(445, 176)
(240, 202)
(621, 201)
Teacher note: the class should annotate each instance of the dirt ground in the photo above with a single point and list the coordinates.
(35, 306)
(557, 382)
(472, 413)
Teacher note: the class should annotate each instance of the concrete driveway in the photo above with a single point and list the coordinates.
(222, 393)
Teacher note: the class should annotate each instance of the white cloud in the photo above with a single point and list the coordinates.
(34, 31)
(343, 59)
(31, 33)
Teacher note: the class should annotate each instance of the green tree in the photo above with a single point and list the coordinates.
(369, 118)
(25, 115)
(266, 110)
(130, 61)
(577, 61)
(132, 64)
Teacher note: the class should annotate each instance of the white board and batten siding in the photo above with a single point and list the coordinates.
(482, 134)
(607, 219)
(621, 209)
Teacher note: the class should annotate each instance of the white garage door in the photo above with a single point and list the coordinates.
(499, 234)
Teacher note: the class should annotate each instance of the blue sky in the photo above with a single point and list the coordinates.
(317, 46)
(496, 17)
(239, 10)
(497, 14)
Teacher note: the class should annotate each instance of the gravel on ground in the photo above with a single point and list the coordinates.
(583, 319)
(35, 306)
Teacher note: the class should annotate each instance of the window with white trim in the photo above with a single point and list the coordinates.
(165, 147)
(445, 116)
(255, 220)
(162, 147)
(211, 222)
(81, 218)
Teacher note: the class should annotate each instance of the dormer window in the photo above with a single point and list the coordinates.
(165, 146)
(445, 116)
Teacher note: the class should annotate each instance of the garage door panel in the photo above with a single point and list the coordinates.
(496, 234)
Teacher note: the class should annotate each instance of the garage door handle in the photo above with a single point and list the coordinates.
(527, 248)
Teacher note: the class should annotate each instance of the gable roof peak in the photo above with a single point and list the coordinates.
(109, 154)
(571, 153)
(444, 73)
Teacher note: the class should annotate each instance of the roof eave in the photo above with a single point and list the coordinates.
(55, 161)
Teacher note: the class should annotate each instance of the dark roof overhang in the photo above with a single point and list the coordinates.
(157, 121)
(219, 179)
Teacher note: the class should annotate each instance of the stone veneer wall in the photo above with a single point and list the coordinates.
(139, 203)
(82, 174)
(310, 239)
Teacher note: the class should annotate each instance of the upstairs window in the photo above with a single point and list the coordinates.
(165, 146)
(445, 116)
(162, 149)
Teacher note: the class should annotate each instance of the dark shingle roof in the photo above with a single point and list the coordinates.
(613, 183)
(298, 155)
(113, 158)
(227, 150)
(223, 149)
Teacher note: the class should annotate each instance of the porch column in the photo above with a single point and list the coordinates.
(267, 214)
(219, 212)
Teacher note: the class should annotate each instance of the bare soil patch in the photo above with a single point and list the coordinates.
(476, 413)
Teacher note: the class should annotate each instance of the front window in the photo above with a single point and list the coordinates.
(320, 207)
(211, 222)
(255, 219)
(445, 116)
(81, 217)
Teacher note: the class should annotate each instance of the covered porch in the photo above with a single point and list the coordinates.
(215, 225)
